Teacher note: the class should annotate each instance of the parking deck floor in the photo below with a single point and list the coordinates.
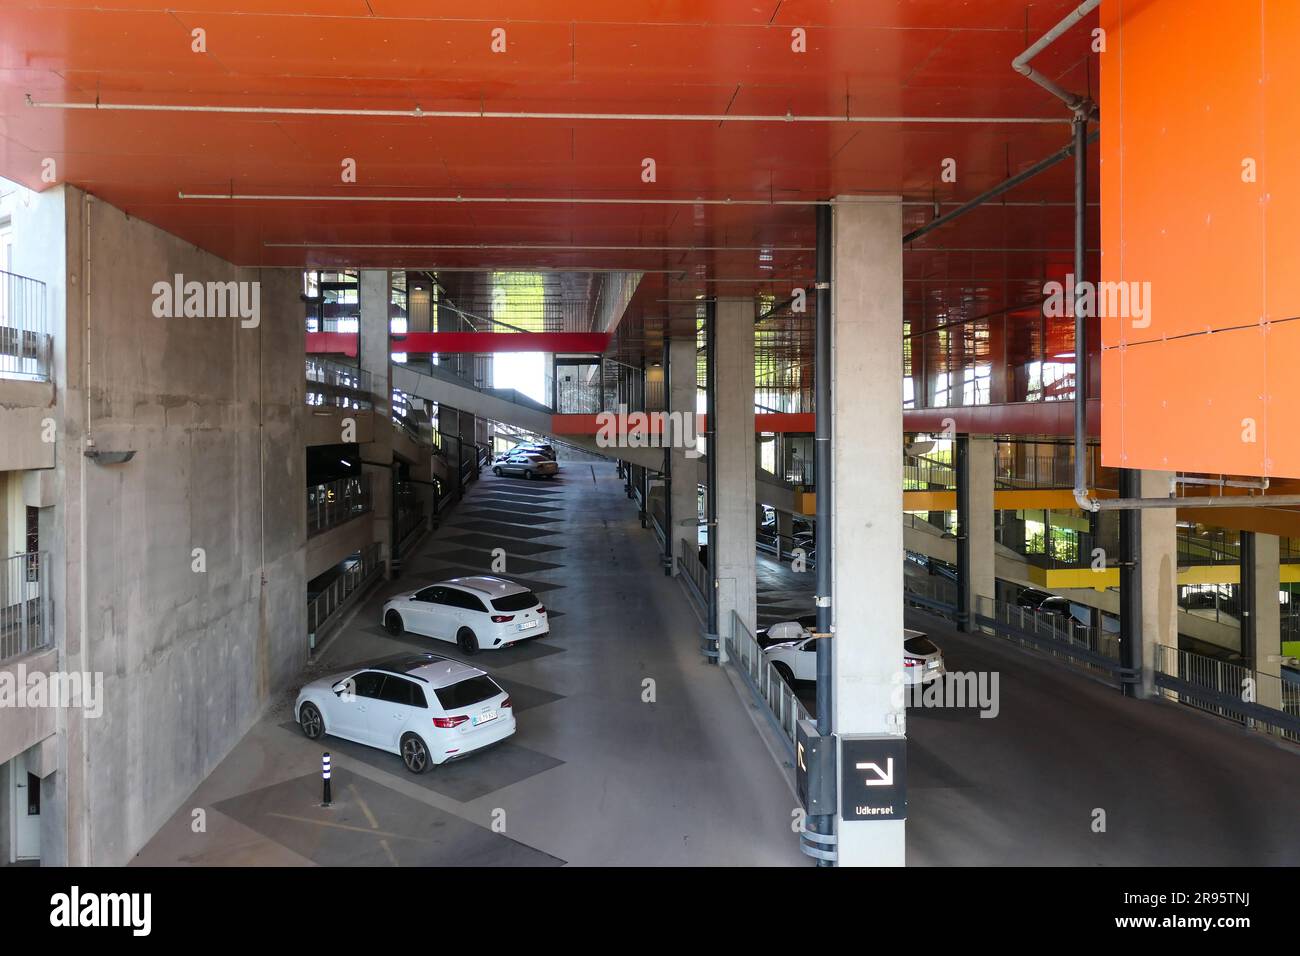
(1067, 755)
(630, 749)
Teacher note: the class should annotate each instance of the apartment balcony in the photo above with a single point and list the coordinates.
(26, 391)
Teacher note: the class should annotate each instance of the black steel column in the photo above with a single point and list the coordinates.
(668, 463)
(963, 538)
(822, 482)
(711, 471)
(1246, 592)
(1130, 581)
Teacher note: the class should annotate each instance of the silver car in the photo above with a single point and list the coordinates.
(525, 466)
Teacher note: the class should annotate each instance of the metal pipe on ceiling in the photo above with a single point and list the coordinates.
(501, 200)
(1020, 64)
(417, 112)
(1005, 186)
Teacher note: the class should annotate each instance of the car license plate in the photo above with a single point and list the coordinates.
(484, 717)
(933, 664)
(527, 625)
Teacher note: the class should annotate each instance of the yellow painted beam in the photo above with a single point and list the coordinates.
(1197, 574)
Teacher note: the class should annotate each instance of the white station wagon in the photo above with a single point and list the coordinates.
(425, 708)
(479, 612)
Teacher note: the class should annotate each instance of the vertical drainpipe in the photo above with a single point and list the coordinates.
(668, 463)
(1080, 127)
(711, 474)
(824, 824)
(963, 537)
(1130, 583)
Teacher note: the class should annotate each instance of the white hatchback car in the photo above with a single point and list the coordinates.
(474, 612)
(792, 650)
(424, 708)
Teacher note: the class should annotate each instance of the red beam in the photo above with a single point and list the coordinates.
(578, 343)
(332, 343)
(1018, 418)
(1023, 418)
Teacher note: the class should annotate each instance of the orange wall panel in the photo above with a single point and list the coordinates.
(1190, 89)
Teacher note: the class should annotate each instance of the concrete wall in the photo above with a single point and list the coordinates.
(215, 415)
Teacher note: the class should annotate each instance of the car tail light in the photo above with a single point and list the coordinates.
(506, 702)
(502, 618)
(541, 609)
(911, 662)
(449, 722)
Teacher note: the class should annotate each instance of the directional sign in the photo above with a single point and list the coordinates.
(873, 778)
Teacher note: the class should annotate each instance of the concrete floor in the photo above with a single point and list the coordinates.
(594, 776)
(1178, 787)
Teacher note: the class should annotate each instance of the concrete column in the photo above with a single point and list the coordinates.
(682, 384)
(978, 577)
(374, 355)
(1157, 574)
(867, 531)
(1268, 619)
(735, 466)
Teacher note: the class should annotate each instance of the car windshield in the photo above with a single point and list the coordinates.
(467, 693)
(515, 602)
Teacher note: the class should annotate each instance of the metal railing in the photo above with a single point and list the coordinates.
(321, 607)
(409, 508)
(922, 474)
(932, 592)
(24, 608)
(331, 504)
(694, 572)
(26, 345)
(775, 694)
(1094, 649)
(332, 384)
(1261, 701)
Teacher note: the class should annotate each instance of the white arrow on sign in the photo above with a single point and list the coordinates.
(884, 778)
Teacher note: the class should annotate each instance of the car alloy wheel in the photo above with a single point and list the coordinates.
(497, 471)
(309, 718)
(528, 473)
(393, 623)
(466, 641)
(414, 754)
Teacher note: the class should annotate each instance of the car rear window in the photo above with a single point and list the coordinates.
(516, 602)
(467, 693)
(919, 646)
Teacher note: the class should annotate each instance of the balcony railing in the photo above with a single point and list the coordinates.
(24, 609)
(324, 605)
(331, 504)
(332, 384)
(25, 341)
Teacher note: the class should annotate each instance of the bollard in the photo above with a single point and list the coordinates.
(325, 777)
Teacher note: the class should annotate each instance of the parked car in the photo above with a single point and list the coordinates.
(540, 449)
(792, 651)
(525, 466)
(478, 612)
(1032, 598)
(426, 709)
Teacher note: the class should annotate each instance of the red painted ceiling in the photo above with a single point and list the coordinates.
(920, 58)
